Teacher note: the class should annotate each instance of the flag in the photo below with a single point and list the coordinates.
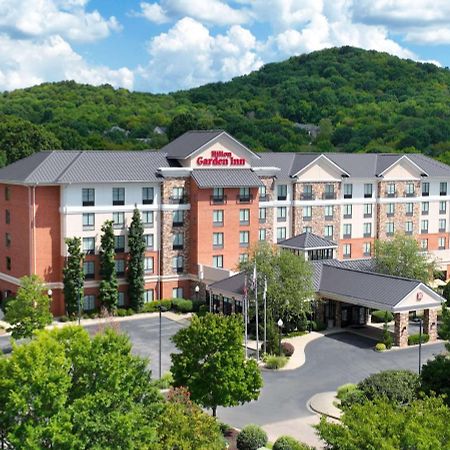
(245, 287)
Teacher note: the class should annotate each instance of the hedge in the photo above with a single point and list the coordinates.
(276, 362)
(414, 339)
(182, 305)
(289, 443)
(153, 306)
(252, 437)
(378, 316)
(343, 390)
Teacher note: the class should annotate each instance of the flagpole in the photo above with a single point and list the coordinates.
(245, 316)
(265, 315)
(257, 321)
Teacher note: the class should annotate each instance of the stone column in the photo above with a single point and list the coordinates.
(430, 323)
(338, 315)
(401, 329)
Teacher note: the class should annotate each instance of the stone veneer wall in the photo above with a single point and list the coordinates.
(269, 182)
(401, 329)
(430, 323)
(167, 230)
(399, 218)
(317, 221)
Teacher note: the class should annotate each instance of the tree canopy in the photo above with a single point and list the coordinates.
(135, 271)
(73, 276)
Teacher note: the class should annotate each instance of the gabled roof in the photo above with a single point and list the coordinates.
(386, 163)
(226, 178)
(307, 241)
(232, 285)
(191, 142)
(319, 157)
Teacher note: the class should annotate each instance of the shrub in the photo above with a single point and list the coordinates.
(380, 347)
(275, 362)
(196, 304)
(399, 386)
(165, 382)
(345, 389)
(252, 437)
(224, 427)
(120, 312)
(435, 377)
(182, 305)
(287, 349)
(289, 443)
(317, 325)
(64, 319)
(130, 312)
(379, 316)
(153, 306)
(203, 310)
(353, 397)
(414, 339)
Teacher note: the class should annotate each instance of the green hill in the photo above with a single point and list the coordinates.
(363, 101)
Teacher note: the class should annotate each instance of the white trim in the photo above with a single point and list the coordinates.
(175, 172)
(315, 160)
(398, 160)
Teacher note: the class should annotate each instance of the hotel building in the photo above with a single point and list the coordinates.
(205, 198)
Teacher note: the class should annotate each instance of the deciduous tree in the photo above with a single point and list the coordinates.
(73, 276)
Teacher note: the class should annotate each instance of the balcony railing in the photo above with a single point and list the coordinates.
(147, 201)
(328, 195)
(119, 249)
(409, 213)
(218, 199)
(244, 198)
(307, 196)
(368, 195)
(178, 200)
(177, 224)
(88, 203)
(409, 194)
(282, 198)
(425, 194)
(118, 202)
(367, 215)
(390, 194)
(177, 247)
(264, 198)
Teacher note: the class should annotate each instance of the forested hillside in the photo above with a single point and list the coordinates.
(364, 101)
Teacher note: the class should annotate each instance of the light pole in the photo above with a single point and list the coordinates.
(420, 345)
(197, 290)
(280, 326)
(160, 309)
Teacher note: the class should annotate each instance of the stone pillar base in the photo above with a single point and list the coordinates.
(401, 329)
(430, 323)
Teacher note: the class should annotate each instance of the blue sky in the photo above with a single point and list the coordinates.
(166, 45)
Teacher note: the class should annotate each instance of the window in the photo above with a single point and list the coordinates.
(347, 211)
(281, 213)
(118, 196)
(329, 192)
(177, 195)
(218, 217)
(121, 298)
(89, 245)
(118, 219)
(281, 233)
(218, 261)
(218, 240)
(88, 221)
(262, 215)
(424, 226)
(368, 190)
(149, 241)
(329, 211)
(425, 208)
(177, 264)
(177, 292)
(347, 230)
(119, 243)
(218, 196)
(244, 195)
(148, 195)
(147, 218)
(409, 209)
(328, 231)
(88, 196)
(7, 193)
(442, 225)
(120, 267)
(367, 227)
(89, 270)
(442, 207)
(367, 248)
(8, 263)
(244, 216)
(243, 238)
(348, 190)
(177, 218)
(243, 257)
(347, 250)
(7, 217)
(441, 243)
(7, 240)
(443, 188)
(177, 241)
(262, 234)
(307, 229)
(149, 295)
(409, 190)
(390, 209)
(424, 244)
(149, 264)
(368, 207)
(425, 189)
(262, 191)
(307, 212)
(307, 192)
(282, 192)
(390, 192)
(389, 228)
(409, 227)
(88, 302)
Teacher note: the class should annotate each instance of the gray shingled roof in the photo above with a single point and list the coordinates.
(307, 241)
(189, 142)
(91, 166)
(233, 284)
(226, 178)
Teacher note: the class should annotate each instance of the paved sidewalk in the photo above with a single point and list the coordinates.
(324, 404)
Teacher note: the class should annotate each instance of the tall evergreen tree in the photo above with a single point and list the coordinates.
(135, 273)
(108, 292)
(73, 275)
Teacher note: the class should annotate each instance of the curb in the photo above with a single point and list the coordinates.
(317, 410)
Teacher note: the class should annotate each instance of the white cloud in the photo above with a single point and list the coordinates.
(25, 62)
(214, 12)
(67, 18)
(188, 55)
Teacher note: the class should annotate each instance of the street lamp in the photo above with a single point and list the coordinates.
(420, 345)
(197, 290)
(280, 326)
(160, 309)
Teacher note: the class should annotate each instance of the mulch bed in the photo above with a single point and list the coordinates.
(231, 436)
